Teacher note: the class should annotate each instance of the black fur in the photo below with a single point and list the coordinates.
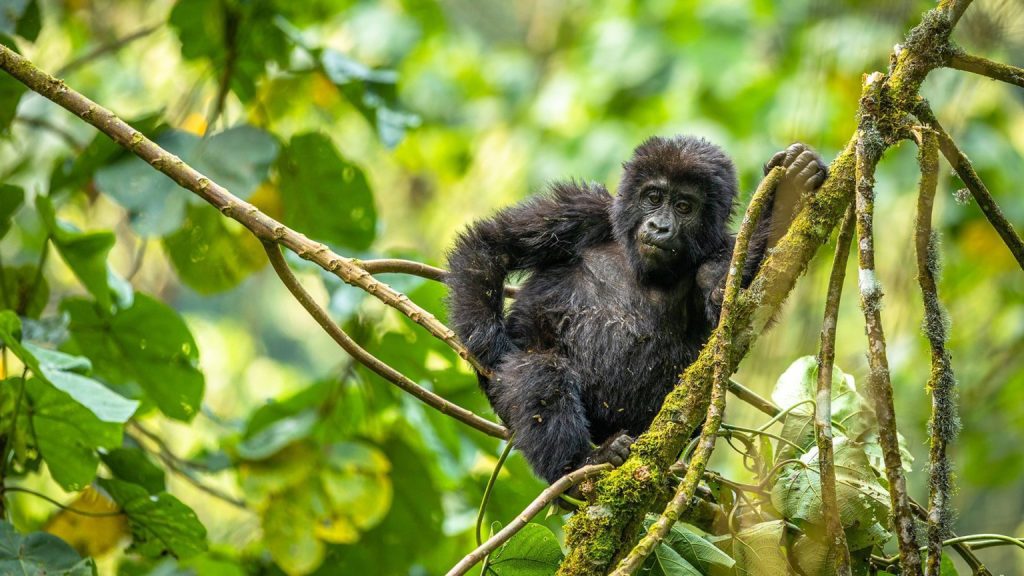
(600, 329)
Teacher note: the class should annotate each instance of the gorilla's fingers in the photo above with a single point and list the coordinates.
(795, 170)
(793, 152)
(817, 180)
(812, 169)
(776, 160)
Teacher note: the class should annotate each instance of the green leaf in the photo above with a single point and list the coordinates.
(25, 290)
(160, 522)
(84, 252)
(238, 159)
(52, 367)
(696, 550)
(863, 503)
(11, 90)
(11, 198)
(533, 551)
(357, 484)
(148, 345)
(39, 554)
(212, 253)
(67, 435)
(289, 530)
(77, 172)
(665, 561)
(132, 465)
(271, 439)
(324, 195)
(758, 550)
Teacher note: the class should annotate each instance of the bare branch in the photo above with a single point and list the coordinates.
(823, 405)
(716, 408)
(985, 67)
(944, 423)
(539, 503)
(262, 226)
(369, 360)
(970, 178)
(399, 266)
(107, 48)
(879, 384)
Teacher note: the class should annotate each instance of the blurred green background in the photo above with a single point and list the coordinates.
(491, 101)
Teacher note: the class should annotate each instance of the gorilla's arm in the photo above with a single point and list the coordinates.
(805, 172)
(538, 232)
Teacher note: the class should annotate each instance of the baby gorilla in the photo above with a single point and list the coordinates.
(622, 293)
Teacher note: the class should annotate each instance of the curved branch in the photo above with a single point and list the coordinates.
(369, 360)
(965, 170)
(823, 406)
(400, 266)
(262, 226)
(543, 499)
(716, 408)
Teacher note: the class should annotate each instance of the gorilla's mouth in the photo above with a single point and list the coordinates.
(649, 247)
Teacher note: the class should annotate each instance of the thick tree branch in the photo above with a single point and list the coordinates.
(716, 408)
(944, 423)
(369, 360)
(262, 226)
(965, 170)
(823, 405)
(539, 503)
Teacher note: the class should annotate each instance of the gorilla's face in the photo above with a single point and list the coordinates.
(669, 221)
(674, 200)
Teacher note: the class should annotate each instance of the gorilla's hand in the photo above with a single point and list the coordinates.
(614, 451)
(805, 172)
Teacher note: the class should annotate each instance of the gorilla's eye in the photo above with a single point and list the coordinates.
(655, 196)
(684, 207)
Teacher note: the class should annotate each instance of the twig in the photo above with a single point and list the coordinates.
(369, 360)
(716, 408)
(823, 406)
(543, 499)
(262, 226)
(944, 423)
(970, 178)
(231, 21)
(879, 384)
(70, 139)
(180, 467)
(753, 398)
(400, 266)
(56, 503)
(985, 67)
(103, 49)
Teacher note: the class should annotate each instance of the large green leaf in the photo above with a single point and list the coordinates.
(67, 435)
(212, 253)
(700, 553)
(238, 159)
(160, 523)
(759, 550)
(272, 438)
(863, 502)
(39, 554)
(84, 252)
(324, 195)
(61, 371)
(132, 465)
(533, 551)
(25, 290)
(148, 346)
(665, 561)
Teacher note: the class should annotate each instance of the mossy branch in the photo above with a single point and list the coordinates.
(985, 67)
(722, 370)
(823, 405)
(944, 424)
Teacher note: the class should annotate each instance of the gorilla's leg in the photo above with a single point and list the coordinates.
(538, 396)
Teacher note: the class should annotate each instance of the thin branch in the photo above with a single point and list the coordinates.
(985, 67)
(369, 360)
(399, 266)
(944, 423)
(107, 48)
(539, 503)
(753, 398)
(823, 406)
(231, 22)
(965, 170)
(56, 503)
(964, 550)
(181, 468)
(70, 139)
(262, 226)
(716, 408)
(879, 384)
